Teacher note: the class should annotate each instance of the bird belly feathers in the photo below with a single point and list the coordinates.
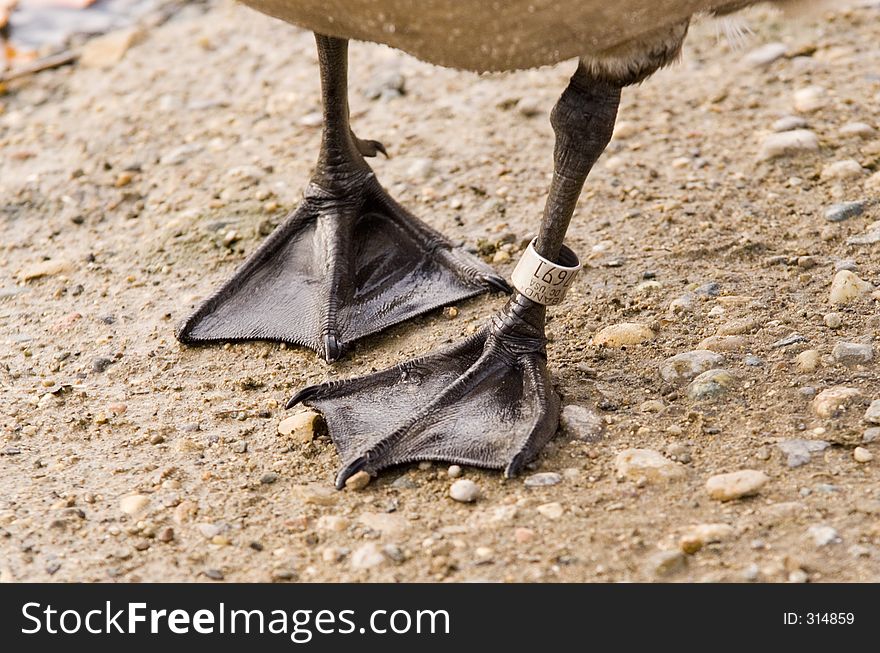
(497, 35)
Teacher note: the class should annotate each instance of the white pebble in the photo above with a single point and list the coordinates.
(464, 490)
(744, 483)
(134, 504)
(636, 464)
(846, 169)
(847, 286)
(809, 99)
(829, 403)
(862, 455)
(787, 144)
(623, 334)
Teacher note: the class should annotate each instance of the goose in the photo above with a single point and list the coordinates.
(350, 261)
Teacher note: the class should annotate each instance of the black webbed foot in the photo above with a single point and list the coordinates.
(486, 401)
(344, 265)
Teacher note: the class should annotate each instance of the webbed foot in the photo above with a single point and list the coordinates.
(486, 401)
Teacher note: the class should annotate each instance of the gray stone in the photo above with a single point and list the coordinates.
(789, 144)
(710, 384)
(666, 563)
(871, 435)
(872, 415)
(799, 452)
(852, 353)
(844, 211)
(180, 154)
(871, 236)
(789, 123)
(823, 535)
(682, 368)
(367, 556)
(581, 423)
(789, 340)
(766, 54)
(543, 480)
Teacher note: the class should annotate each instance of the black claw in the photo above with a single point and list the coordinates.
(499, 283)
(332, 348)
(348, 471)
(303, 396)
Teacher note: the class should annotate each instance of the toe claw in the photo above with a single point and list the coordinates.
(499, 283)
(332, 347)
(302, 396)
(349, 470)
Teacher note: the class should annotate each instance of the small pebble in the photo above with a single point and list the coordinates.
(464, 491)
(798, 576)
(823, 535)
(735, 485)
(852, 353)
(862, 455)
(666, 563)
(846, 169)
(808, 360)
(134, 504)
(523, 535)
(358, 481)
(696, 537)
(831, 402)
(581, 423)
(844, 211)
(302, 427)
(544, 479)
(551, 510)
(682, 368)
(788, 144)
(454, 471)
(799, 452)
(421, 168)
(710, 384)
(809, 99)
(832, 320)
(846, 287)
(637, 464)
(214, 574)
(765, 54)
(871, 435)
(789, 123)
(269, 478)
(872, 415)
(859, 129)
(623, 335)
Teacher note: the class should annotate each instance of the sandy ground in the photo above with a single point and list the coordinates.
(128, 193)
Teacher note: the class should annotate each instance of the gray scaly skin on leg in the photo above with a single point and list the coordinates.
(348, 262)
(487, 401)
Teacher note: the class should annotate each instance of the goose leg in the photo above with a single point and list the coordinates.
(348, 262)
(488, 400)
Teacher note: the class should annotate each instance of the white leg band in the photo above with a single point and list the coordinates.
(543, 281)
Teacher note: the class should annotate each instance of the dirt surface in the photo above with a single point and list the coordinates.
(129, 192)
